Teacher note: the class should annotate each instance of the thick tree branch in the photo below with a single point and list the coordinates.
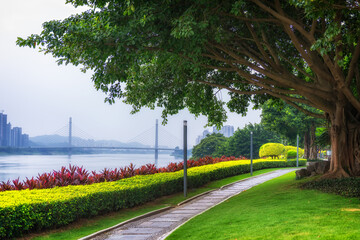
(232, 89)
(357, 79)
(281, 16)
(297, 67)
(307, 112)
(258, 44)
(313, 27)
(226, 69)
(270, 48)
(280, 80)
(244, 51)
(246, 19)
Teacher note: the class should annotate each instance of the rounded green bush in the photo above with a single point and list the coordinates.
(292, 148)
(273, 150)
(291, 154)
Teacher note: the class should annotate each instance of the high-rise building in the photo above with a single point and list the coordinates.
(16, 139)
(227, 130)
(24, 140)
(11, 137)
(8, 135)
(3, 125)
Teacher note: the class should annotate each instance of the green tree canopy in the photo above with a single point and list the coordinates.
(288, 121)
(239, 144)
(208, 145)
(176, 54)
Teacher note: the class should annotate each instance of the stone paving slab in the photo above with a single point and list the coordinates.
(156, 224)
(166, 219)
(161, 225)
(192, 211)
(139, 230)
(183, 215)
(129, 237)
(195, 208)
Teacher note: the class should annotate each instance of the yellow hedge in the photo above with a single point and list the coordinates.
(273, 150)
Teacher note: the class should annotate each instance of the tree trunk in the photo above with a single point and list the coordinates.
(306, 145)
(345, 145)
(313, 147)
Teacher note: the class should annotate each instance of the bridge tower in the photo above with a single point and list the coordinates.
(70, 135)
(156, 143)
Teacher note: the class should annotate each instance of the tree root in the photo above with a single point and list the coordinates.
(337, 173)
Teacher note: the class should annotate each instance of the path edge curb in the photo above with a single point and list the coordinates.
(125, 222)
(196, 196)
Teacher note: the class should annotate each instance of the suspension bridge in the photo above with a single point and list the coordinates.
(71, 138)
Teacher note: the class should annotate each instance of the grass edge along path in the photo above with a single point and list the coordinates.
(277, 209)
(87, 227)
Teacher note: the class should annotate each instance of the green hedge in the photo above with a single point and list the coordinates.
(289, 152)
(32, 210)
(347, 187)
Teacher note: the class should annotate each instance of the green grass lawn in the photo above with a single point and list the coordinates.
(87, 227)
(277, 209)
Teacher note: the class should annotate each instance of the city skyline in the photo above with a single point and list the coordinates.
(11, 136)
(41, 96)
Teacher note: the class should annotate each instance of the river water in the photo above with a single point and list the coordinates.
(22, 166)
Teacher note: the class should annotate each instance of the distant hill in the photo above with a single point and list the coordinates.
(61, 141)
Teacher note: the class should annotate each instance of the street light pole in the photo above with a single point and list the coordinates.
(251, 153)
(297, 150)
(185, 158)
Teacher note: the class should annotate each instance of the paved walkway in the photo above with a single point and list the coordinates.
(159, 226)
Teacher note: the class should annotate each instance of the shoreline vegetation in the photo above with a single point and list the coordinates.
(75, 175)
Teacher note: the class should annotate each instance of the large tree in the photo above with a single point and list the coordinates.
(176, 54)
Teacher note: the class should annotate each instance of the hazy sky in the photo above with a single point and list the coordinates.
(40, 96)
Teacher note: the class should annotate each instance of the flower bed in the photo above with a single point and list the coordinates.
(28, 210)
(74, 175)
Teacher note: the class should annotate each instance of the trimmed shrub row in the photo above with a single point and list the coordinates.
(347, 187)
(74, 175)
(32, 210)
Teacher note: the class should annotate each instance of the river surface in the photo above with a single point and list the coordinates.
(27, 166)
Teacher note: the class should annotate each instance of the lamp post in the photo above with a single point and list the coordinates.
(185, 158)
(297, 150)
(251, 153)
